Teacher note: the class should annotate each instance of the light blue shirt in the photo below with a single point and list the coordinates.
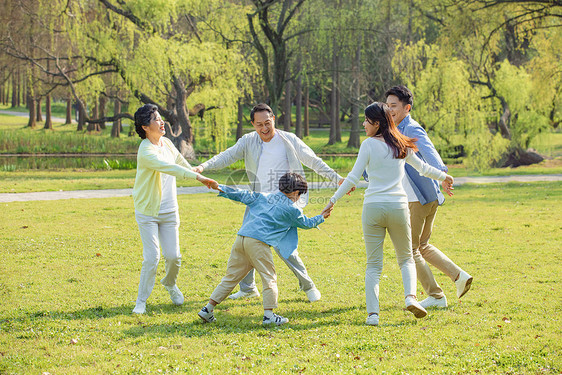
(426, 189)
(271, 218)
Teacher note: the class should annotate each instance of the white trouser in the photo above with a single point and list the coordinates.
(378, 218)
(161, 231)
(295, 264)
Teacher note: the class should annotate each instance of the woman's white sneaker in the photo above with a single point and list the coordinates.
(414, 307)
(140, 308)
(372, 320)
(175, 294)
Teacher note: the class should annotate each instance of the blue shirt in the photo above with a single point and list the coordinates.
(426, 189)
(271, 218)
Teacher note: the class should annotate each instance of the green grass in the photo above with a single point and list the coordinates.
(70, 270)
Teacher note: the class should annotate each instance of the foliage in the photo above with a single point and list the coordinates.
(86, 275)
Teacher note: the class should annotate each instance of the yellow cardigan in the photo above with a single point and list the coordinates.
(147, 192)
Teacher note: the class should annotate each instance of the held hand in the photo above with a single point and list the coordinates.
(327, 210)
(351, 190)
(448, 185)
(198, 169)
(209, 182)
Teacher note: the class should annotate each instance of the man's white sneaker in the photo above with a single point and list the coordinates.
(372, 320)
(438, 303)
(140, 308)
(206, 315)
(414, 307)
(463, 283)
(313, 295)
(241, 294)
(175, 294)
(275, 319)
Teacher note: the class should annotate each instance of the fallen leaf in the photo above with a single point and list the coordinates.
(357, 357)
(25, 227)
(98, 254)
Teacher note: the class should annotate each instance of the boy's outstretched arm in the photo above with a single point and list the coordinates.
(238, 195)
(301, 221)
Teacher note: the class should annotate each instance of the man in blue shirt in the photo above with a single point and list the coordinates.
(424, 198)
(270, 218)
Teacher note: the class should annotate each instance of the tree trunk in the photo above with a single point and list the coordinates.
(14, 91)
(306, 111)
(48, 119)
(333, 99)
(116, 128)
(287, 108)
(505, 118)
(103, 101)
(354, 139)
(94, 127)
(68, 112)
(81, 116)
(338, 105)
(32, 116)
(240, 123)
(179, 129)
(518, 157)
(298, 99)
(38, 111)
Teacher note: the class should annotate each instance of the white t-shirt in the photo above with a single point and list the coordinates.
(272, 165)
(386, 173)
(169, 202)
(408, 189)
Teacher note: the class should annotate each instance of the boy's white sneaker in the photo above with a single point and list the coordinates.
(463, 283)
(140, 308)
(275, 319)
(313, 295)
(414, 307)
(438, 303)
(175, 294)
(241, 294)
(207, 315)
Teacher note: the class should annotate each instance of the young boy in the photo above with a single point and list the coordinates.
(271, 220)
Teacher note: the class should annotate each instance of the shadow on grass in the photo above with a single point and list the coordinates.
(106, 312)
(227, 323)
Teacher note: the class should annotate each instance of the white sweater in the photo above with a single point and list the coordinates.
(385, 172)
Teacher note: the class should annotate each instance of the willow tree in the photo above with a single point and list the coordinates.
(493, 51)
(163, 58)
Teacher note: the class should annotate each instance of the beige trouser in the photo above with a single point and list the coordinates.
(421, 218)
(248, 253)
(378, 218)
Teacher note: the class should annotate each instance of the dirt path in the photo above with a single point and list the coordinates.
(111, 193)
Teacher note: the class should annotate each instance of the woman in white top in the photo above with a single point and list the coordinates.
(385, 207)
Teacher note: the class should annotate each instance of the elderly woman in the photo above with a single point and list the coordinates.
(159, 163)
(385, 207)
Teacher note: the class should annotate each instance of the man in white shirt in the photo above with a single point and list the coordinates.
(268, 154)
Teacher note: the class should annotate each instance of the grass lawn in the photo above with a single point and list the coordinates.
(69, 274)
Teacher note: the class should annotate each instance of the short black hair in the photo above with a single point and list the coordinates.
(260, 108)
(291, 181)
(143, 116)
(402, 93)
